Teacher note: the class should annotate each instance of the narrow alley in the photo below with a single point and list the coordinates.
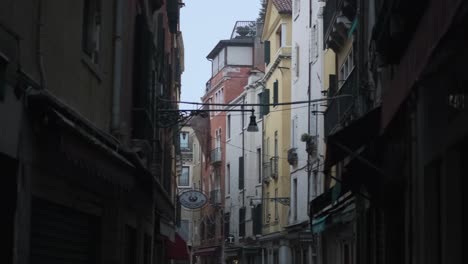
(182, 132)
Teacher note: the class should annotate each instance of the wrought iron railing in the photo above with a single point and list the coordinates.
(266, 172)
(215, 197)
(274, 167)
(341, 107)
(216, 155)
(243, 29)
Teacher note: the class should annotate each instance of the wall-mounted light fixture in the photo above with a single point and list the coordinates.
(172, 117)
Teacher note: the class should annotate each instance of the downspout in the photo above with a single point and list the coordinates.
(309, 114)
(40, 57)
(117, 81)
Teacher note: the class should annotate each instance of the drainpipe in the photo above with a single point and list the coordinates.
(40, 57)
(117, 81)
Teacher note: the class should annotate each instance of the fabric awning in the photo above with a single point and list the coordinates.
(319, 224)
(352, 137)
(177, 250)
(209, 251)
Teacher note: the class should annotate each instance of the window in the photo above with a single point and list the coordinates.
(266, 46)
(242, 221)
(184, 141)
(184, 176)
(228, 178)
(347, 67)
(281, 35)
(275, 93)
(265, 101)
(241, 173)
(227, 220)
(91, 29)
(228, 125)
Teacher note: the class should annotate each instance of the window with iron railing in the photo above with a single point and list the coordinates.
(274, 167)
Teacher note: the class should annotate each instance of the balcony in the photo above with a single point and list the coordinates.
(216, 156)
(266, 172)
(341, 109)
(274, 167)
(338, 17)
(270, 169)
(215, 197)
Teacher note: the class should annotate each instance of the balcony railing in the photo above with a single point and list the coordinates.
(216, 155)
(342, 107)
(270, 169)
(329, 12)
(266, 172)
(274, 167)
(215, 197)
(334, 9)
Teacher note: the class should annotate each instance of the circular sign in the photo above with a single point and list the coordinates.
(192, 199)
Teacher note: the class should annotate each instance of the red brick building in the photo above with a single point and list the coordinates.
(232, 60)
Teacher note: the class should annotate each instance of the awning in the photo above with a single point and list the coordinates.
(177, 250)
(209, 251)
(231, 252)
(319, 224)
(342, 215)
(352, 137)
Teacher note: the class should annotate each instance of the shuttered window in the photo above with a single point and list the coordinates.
(266, 46)
(242, 221)
(275, 93)
(241, 173)
(265, 101)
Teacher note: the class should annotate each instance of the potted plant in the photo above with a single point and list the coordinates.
(310, 143)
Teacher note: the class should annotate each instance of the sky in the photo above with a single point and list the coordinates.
(203, 23)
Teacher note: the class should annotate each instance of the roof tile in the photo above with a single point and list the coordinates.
(283, 6)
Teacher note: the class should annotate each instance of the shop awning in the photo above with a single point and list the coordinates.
(177, 250)
(352, 137)
(319, 224)
(209, 251)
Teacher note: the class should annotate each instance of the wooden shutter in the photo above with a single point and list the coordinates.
(241, 173)
(275, 93)
(266, 46)
(242, 221)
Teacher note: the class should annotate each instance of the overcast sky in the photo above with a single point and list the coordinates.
(204, 23)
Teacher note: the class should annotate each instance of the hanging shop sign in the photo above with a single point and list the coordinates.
(192, 199)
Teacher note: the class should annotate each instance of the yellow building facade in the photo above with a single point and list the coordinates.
(277, 35)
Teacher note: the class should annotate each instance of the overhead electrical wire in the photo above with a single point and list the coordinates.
(272, 104)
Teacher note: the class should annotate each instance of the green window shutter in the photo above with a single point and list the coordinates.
(265, 101)
(266, 45)
(275, 93)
